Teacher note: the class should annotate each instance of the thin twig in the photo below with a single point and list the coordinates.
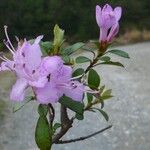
(83, 138)
(66, 124)
(51, 114)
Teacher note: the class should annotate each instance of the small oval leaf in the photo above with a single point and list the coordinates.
(43, 110)
(105, 115)
(71, 104)
(78, 72)
(105, 58)
(79, 116)
(42, 134)
(73, 48)
(112, 63)
(89, 97)
(82, 59)
(93, 78)
(119, 53)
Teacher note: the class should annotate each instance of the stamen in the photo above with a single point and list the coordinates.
(88, 90)
(77, 77)
(5, 29)
(6, 58)
(6, 44)
(2, 58)
(17, 39)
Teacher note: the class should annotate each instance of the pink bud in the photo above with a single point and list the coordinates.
(107, 20)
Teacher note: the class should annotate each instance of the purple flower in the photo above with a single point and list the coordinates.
(107, 20)
(26, 64)
(49, 78)
(59, 82)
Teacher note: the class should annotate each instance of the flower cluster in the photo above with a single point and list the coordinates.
(47, 76)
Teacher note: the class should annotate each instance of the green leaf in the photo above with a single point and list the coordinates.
(93, 78)
(42, 134)
(46, 47)
(58, 36)
(82, 59)
(105, 58)
(79, 116)
(18, 105)
(105, 115)
(89, 97)
(106, 97)
(73, 48)
(89, 50)
(66, 58)
(78, 72)
(55, 127)
(107, 92)
(71, 104)
(119, 53)
(96, 42)
(112, 63)
(102, 89)
(43, 110)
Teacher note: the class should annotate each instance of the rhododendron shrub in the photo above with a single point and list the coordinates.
(51, 71)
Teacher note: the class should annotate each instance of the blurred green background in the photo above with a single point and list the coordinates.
(29, 18)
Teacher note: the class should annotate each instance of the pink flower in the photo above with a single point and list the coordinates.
(59, 82)
(107, 20)
(49, 78)
(26, 64)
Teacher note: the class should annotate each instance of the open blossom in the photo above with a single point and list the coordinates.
(59, 82)
(107, 20)
(48, 77)
(26, 65)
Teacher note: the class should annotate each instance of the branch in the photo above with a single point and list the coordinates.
(66, 124)
(83, 138)
(51, 114)
(93, 62)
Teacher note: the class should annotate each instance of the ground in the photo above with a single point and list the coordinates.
(129, 110)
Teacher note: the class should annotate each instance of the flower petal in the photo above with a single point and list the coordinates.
(63, 75)
(18, 90)
(32, 57)
(39, 82)
(7, 65)
(113, 32)
(51, 64)
(103, 34)
(107, 8)
(108, 17)
(118, 12)
(38, 39)
(74, 91)
(47, 94)
(98, 15)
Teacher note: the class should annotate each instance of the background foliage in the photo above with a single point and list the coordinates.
(29, 18)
